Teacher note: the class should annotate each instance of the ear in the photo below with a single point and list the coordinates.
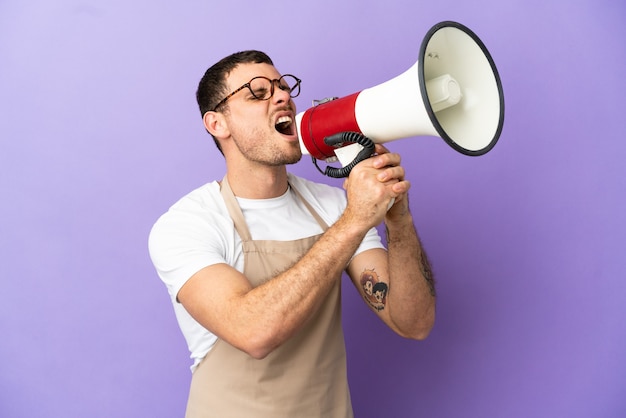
(215, 123)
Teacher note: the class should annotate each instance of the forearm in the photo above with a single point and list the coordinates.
(411, 299)
(277, 309)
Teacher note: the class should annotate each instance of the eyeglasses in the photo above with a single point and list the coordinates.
(262, 88)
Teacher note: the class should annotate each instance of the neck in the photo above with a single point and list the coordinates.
(261, 183)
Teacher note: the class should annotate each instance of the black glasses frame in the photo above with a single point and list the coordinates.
(290, 89)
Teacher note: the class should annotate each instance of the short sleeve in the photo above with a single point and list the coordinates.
(187, 238)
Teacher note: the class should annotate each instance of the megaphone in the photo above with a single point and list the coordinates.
(453, 91)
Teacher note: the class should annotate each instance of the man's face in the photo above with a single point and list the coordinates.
(263, 130)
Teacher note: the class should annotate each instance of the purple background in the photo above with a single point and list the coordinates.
(100, 134)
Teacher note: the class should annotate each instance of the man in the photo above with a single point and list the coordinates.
(253, 262)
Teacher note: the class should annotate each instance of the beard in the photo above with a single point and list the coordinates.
(269, 151)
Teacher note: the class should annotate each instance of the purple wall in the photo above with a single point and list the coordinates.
(99, 134)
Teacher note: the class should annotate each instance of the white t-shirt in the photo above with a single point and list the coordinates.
(197, 232)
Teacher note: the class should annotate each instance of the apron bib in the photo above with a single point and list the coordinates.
(304, 377)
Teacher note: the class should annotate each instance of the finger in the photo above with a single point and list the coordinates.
(401, 187)
(391, 173)
(380, 149)
(386, 159)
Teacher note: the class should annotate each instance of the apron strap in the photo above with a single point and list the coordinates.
(235, 211)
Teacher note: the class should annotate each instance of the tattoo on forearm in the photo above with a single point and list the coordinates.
(374, 290)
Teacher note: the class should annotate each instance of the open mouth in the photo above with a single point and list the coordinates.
(284, 125)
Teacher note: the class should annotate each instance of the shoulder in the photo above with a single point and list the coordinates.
(192, 215)
(205, 197)
(199, 203)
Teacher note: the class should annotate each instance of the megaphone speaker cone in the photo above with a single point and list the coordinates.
(473, 126)
(453, 91)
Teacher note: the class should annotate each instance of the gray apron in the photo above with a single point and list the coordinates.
(304, 377)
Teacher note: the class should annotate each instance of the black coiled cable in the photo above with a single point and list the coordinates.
(340, 139)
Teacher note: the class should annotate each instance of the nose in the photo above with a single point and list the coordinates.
(280, 95)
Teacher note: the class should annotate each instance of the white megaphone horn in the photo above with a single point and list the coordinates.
(453, 91)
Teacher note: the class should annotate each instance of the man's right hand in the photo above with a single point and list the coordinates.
(373, 186)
